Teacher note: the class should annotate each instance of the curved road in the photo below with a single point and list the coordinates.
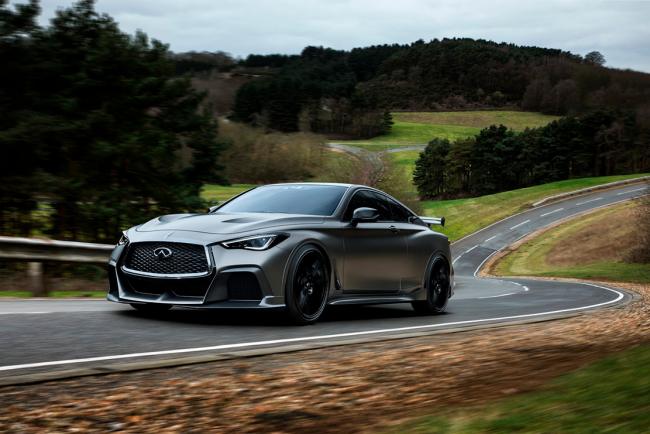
(51, 336)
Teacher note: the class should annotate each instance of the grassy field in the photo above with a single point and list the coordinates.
(595, 246)
(611, 395)
(406, 159)
(411, 133)
(420, 127)
(517, 120)
(465, 216)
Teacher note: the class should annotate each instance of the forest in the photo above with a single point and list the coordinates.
(348, 92)
(600, 143)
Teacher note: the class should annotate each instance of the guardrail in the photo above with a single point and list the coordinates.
(36, 251)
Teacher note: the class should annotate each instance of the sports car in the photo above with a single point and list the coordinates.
(297, 246)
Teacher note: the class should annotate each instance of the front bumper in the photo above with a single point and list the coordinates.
(237, 279)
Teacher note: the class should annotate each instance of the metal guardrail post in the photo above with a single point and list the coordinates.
(36, 278)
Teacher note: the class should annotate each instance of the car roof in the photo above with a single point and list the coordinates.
(340, 184)
(353, 186)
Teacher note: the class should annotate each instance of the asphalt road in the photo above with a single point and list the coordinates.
(57, 335)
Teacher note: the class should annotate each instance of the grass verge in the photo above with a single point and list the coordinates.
(595, 246)
(465, 216)
(611, 395)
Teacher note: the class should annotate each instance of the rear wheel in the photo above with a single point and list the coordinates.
(438, 286)
(307, 286)
(151, 308)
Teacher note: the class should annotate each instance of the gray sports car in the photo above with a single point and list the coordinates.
(297, 247)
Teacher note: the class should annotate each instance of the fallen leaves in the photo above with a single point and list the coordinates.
(351, 388)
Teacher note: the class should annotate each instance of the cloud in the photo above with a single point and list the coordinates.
(616, 28)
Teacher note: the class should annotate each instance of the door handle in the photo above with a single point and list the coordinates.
(393, 229)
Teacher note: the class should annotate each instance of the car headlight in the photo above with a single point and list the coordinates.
(123, 239)
(256, 242)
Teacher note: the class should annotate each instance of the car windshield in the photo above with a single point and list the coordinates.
(319, 200)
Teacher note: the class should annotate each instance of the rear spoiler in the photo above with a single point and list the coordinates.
(433, 221)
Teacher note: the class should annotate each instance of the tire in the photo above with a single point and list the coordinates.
(438, 288)
(151, 308)
(307, 286)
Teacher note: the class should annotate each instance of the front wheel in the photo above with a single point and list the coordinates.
(151, 308)
(307, 286)
(438, 288)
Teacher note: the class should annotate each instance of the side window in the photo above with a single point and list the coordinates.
(388, 209)
(400, 214)
(360, 199)
(383, 206)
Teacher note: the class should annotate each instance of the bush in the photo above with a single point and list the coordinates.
(255, 156)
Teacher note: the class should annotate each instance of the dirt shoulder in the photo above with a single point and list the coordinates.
(356, 388)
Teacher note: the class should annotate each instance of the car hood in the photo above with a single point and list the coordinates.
(223, 223)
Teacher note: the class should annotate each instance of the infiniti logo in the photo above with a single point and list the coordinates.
(162, 253)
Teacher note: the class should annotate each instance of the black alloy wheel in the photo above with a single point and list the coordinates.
(307, 291)
(438, 286)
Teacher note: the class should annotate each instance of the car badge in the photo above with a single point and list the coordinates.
(162, 253)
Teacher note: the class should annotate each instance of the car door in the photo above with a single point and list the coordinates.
(418, 246)
(375, 252)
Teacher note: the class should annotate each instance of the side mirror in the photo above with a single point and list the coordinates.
(212, 209)
(361, 215)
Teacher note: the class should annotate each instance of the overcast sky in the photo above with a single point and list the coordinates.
(619, 29)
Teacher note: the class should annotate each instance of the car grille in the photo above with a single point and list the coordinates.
(184, 258)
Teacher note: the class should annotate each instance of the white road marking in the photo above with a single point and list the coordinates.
(461, 255)
(631, 191)
(552, 212)
(306, 338)
(500, 295)
(588, 201)
(520, 224)
(491, 238)
(524, 287)
(483, 261)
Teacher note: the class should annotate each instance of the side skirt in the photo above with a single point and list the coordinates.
(370, 300)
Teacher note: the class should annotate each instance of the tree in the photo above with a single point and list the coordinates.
(17, 169)
(113, 136)
(492, 158)
(595, 58)
(430, 174)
